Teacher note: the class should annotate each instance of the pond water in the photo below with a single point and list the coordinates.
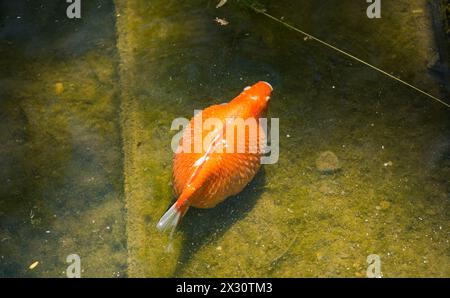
(86, 107)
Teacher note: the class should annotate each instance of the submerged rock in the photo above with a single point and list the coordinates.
(59, 88)
(327, 163)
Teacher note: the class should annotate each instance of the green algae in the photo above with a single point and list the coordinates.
(61, 154)
(325, 102)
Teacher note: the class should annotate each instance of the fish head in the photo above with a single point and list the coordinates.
(258, 96)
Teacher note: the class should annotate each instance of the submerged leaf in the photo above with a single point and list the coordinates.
(32, 266)
(221, 22)
(221, 3)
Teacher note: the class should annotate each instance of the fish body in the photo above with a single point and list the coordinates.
(219, 153)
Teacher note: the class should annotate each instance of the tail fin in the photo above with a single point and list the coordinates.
(171, 219)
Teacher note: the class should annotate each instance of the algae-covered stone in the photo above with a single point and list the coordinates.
(59, 88)
(327, 163)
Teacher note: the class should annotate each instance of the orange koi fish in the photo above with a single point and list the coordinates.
(215, 158)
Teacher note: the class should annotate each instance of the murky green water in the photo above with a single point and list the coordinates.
(86, 108)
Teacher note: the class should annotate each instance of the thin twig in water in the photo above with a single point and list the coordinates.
(283, 254)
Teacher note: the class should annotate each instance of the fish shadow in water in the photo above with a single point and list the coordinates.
(203, 226)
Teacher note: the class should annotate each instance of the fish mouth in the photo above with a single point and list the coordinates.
(268, 84)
